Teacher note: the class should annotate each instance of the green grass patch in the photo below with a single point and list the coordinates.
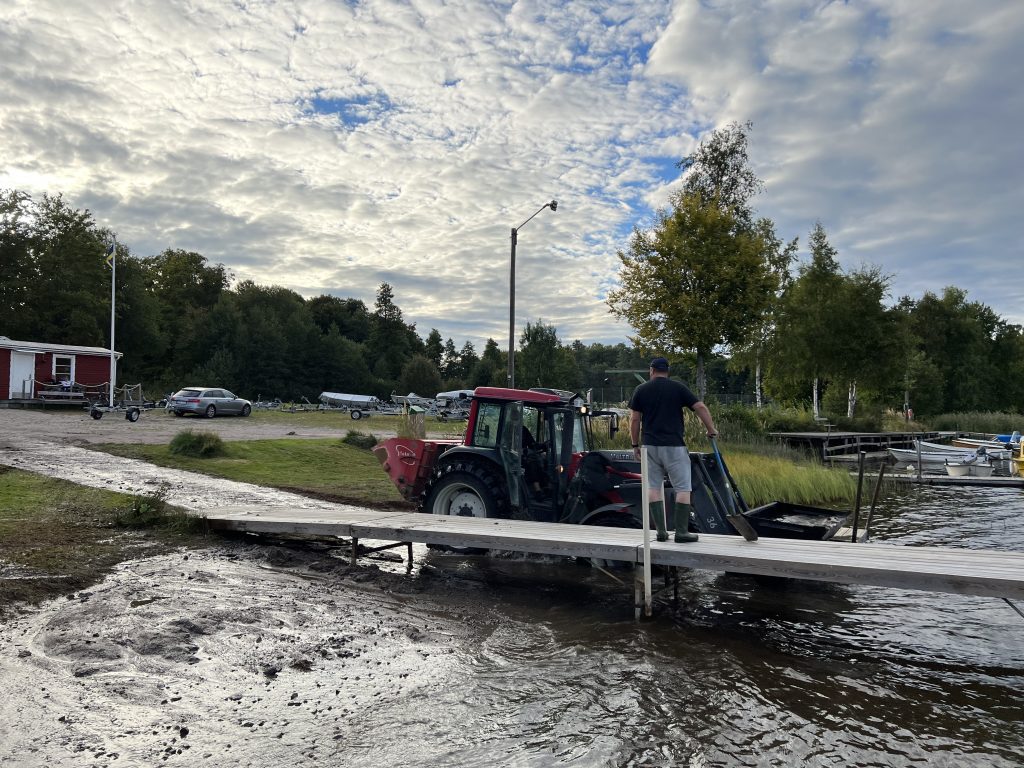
(324, 468)
(57, 537)
(198, 445)
(764, 478)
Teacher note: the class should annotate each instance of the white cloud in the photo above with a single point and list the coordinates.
(326, 146)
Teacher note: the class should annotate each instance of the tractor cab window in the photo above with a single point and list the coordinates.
(488, 417)
(563, 421)
(533, 422)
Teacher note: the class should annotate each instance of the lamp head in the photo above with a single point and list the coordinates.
(553, 205)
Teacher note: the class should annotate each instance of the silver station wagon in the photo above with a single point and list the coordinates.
(208, 402)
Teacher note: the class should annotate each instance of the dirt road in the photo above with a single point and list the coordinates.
(76, 427)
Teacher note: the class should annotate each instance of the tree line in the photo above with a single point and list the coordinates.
(709, 284)
(180, 320)
(710, 276)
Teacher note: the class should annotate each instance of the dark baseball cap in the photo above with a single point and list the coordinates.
(659, 364)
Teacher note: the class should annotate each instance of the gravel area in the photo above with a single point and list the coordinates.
(76, 427)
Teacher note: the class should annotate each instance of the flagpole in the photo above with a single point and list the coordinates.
(113, 283)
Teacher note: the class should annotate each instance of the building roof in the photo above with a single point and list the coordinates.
(39, 346)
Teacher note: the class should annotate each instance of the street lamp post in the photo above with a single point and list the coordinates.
(553, 205)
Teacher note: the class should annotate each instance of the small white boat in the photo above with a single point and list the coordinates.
(976, 467)
(994, 448)
(934, 460)
(995, 451)
(958, 470)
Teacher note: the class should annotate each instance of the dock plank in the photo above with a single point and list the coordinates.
(983, 573)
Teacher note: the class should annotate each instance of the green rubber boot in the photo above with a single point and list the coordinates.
(683, 535)
(658, 513)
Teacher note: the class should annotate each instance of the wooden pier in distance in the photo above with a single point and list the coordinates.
(829, 445)
(984, 573)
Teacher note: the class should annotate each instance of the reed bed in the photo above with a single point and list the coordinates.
(762, 479)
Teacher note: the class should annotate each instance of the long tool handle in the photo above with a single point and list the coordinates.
(736, 519)
(728, 476)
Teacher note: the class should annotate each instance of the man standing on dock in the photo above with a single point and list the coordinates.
(657, 405)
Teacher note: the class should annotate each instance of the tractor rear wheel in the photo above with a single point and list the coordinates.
(466, 489)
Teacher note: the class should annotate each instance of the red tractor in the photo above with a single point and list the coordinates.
(529, 455)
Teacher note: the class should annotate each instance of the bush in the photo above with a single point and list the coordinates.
(359, 440)
(153, 511)
(199, 445)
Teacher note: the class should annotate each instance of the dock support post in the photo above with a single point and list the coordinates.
(638, 594)
(874, 501)
(860, 485)
(645, 490)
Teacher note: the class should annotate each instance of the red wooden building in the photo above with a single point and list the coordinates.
(29, 369)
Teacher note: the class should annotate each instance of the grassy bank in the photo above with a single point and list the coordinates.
(57, 537)
(331, 469)
(326, 468)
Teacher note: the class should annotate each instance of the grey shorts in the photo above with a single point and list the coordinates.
(671, 461)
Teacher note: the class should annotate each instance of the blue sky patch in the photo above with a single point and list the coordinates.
(351, 111)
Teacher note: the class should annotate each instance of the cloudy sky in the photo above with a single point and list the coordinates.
(327, 146)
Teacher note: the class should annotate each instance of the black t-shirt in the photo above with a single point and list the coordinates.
(661, 402)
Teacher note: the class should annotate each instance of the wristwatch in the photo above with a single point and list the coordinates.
(636, 445)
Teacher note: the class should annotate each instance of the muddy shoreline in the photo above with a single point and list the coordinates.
(216, 653)
(264, 653)
(240, 654)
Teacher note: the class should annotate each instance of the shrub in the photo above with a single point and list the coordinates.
(359, 440)
(199, 445)
(153, 511)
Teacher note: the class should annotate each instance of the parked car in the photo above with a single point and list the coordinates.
(208, 402)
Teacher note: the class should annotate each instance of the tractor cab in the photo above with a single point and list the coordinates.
(533, 437)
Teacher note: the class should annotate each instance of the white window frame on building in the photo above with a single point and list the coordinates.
(63, 369)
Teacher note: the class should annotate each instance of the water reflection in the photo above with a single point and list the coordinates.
(747, 671)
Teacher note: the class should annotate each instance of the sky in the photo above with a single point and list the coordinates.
(328, 146)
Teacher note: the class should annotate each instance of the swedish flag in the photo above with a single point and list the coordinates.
(110, 253)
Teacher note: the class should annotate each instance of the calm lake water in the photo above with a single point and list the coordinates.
(740, 673)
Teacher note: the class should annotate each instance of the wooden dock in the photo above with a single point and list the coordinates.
(906, 478)
(982, 573)
(829, 445)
